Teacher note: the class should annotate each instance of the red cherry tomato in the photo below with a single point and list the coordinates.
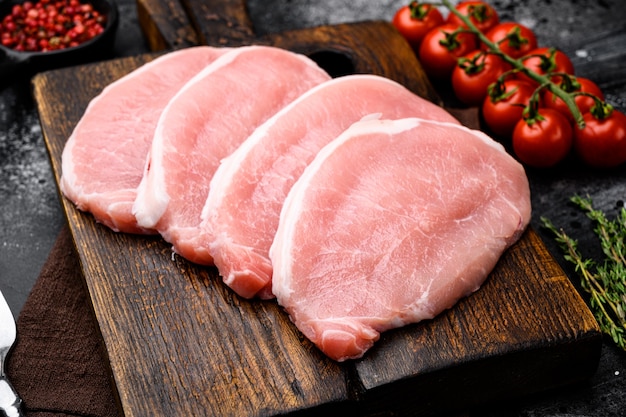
(502, 113)
(482, 15)
(602, 143)
(442, 46)
(543, 141)
(474, 73)
(555, 62)
(514, 39)
(584, 103)
(416, 19)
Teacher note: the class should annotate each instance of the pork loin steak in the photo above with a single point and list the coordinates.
(249, 187)
(204, 123)
(392, 223)
(104, 159)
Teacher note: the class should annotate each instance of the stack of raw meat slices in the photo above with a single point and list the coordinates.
(205, 122)
(250, 186)
(357, 204)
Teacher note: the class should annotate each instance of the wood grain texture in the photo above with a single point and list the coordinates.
(339, 49)
(362, 47)
(220, 22)
(180, 343)
(526, 326)
(166, 25)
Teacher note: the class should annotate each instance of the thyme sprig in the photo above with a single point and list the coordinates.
(604, 282)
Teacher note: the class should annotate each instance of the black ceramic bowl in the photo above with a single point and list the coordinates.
(14, 63)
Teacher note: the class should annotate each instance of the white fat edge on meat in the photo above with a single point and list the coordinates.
(488, 140)
(68, 184)
(280, 252)
(229, 166)
(69, 178)
(152, 197)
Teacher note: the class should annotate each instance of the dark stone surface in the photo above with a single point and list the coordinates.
(592, 33)
(30, 213)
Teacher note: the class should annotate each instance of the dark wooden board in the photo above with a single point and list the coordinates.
(180, 343)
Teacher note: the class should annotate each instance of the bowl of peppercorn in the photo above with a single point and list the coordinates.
(38, 35)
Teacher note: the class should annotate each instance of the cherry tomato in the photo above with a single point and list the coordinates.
(442, 46)
(474, 73)
(579, 85)
(514, 39)
(414, 20)
(482, 15)
(502, 113)
(555, 62)
(544, 140)
(602, 143)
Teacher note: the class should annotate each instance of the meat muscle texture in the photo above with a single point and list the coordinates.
(104, 159)
(204, 123)
(392, 223)
(248, 190)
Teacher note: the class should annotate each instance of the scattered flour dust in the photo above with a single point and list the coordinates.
(25, 174)
(25, 162)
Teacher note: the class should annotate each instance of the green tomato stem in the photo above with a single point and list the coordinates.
(542, 80)
(419, 10)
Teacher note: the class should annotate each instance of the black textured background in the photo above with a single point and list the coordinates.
(592, 33)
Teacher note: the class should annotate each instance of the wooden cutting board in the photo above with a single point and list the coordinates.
(182, 344)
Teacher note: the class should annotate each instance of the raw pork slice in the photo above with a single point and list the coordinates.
(250, 186)
(205, 122)
(392, 223)
(104, 158)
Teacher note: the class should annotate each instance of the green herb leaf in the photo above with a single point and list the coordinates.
(606, 282)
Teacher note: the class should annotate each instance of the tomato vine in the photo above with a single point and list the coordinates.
(498, 65)
(518, 66)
